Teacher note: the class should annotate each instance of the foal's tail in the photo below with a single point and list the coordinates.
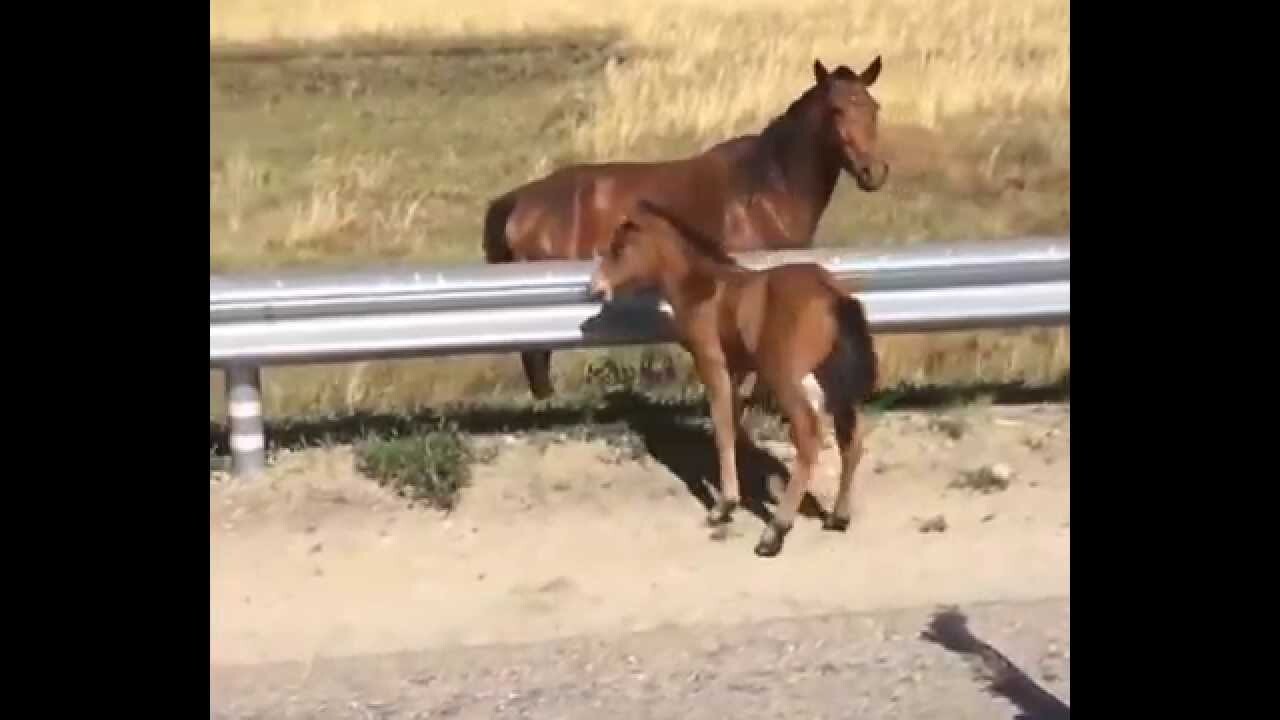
(851, 368)
(497, 246)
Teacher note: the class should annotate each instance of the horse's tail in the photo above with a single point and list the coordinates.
(851, 367)
(497, 246)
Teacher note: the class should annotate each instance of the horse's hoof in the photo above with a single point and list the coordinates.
(768, 549)
(721, 513)
(771, 540)
(835, 523)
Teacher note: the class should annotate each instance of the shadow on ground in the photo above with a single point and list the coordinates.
(600, 415)
(689, 451)
(674, 431)
(949, 628)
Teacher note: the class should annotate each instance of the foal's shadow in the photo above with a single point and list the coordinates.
(690, 453)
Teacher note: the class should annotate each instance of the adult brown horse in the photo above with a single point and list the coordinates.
(754, 192)
(794, 325)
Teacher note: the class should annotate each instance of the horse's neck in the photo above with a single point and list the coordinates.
(796, 172)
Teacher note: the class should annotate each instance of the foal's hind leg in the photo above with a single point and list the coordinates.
(804, 435)
(850, 428)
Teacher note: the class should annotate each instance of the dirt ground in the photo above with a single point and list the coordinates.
(556, 544)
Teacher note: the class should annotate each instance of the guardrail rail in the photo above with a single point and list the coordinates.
(321, 317)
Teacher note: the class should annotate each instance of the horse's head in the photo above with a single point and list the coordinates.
(630, 259)
(853, 114)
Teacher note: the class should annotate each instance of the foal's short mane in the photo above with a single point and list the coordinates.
(698, 242)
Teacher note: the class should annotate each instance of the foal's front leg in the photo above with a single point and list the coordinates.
(724, 420)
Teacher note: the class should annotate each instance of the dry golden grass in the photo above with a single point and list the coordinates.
(710, 72)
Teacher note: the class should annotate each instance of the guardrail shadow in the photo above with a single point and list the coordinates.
(575, 411)
(950, 629)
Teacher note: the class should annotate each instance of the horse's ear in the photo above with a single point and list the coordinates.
(868, 76)
(819, 72)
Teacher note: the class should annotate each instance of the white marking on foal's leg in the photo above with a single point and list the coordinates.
(665, 308)
(817, 398)
(813, 391)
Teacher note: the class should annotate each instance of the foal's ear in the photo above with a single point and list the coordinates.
(819, 72)
(868, 76)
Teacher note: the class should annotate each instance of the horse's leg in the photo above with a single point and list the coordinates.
(740, 397)
(850, 428)
(537, 369)
(721, 396)
(804, 435)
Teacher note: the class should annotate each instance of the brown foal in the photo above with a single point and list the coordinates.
(792, 325)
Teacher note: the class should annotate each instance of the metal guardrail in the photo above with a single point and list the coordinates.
(298, 318)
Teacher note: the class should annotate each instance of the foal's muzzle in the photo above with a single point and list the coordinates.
(599, 288)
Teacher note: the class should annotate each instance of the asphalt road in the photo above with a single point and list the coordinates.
(871, 665)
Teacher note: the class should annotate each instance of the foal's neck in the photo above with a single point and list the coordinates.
(688, 273)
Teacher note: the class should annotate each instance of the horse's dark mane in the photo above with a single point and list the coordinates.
(784, 123)
(778, 137)
(699, 242)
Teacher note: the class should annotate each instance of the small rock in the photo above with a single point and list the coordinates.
(986, 479)
(988, 517)
(315, 548)
(954, 428)
(935, 524)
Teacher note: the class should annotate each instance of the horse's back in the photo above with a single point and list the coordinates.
(574, 209)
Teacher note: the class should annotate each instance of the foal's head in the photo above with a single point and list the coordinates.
(631, 259)
(853, 114)
(646, 245)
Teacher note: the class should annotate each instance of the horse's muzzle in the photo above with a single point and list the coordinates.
(872, 175)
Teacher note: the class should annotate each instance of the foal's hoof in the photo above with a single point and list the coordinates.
(771, 540)
(835, 523)
(721, 513)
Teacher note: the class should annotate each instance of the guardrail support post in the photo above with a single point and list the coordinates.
(244, 410)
